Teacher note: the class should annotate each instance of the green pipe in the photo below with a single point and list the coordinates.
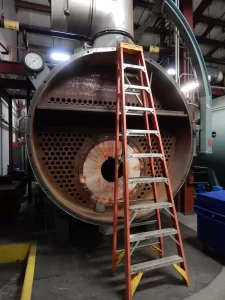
(198, 61)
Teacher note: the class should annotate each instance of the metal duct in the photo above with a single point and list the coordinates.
(216, 76)
(94, 18)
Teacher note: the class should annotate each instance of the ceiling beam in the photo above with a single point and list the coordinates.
(32, 6)
(211, 21)
(200, 39)
(213, 50)
(143, 4)
(155, 30)
(200, 9)
(208, 30)
(207, 41)
(215, 60)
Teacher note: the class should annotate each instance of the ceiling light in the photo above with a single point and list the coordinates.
(191, 85)
(171, 71)
(60, 56)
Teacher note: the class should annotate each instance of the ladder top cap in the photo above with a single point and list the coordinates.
(130, 48)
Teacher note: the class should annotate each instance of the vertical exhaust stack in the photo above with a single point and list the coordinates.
(105, 22)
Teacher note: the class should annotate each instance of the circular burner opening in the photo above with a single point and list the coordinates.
(108, 169)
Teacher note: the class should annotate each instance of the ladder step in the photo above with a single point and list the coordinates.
(137, 200)
(135, 132)
(129, 66)
(147, 180)
(135, 89)
(150, 206)
(144, 155)
(140, 109)
(139, 224)
(126, 74)
(152, 234)
(155, 264)
(140, 246)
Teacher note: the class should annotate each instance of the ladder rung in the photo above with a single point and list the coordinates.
(133, 88)
(147, 179)
(133, 93)
(150, 206)
(137, 200)
(140, 109)
(130, 75)
(152, 234)
(129, 66)
(134, 132)
(155, 264)
(144, 155)
(142, 223)
(140, 246)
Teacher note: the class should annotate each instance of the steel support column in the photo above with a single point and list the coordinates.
(186, 194)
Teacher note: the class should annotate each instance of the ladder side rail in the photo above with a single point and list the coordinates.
(117, 149)
(180, 249)
(125, 185)
(151, 160)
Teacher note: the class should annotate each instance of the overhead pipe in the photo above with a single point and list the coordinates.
(20, 27)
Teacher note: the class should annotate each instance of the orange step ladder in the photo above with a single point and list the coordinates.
(134, 272)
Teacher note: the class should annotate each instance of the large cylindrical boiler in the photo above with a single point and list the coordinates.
(71, 127)
(71, 131)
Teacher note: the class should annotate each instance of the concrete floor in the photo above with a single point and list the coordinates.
(216, 290)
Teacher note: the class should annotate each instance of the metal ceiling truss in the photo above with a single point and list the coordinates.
(200, 9)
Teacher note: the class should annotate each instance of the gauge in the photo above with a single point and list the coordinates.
(34, 61)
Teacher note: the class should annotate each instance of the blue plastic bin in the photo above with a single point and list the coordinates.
(217, 188)
(211, 219)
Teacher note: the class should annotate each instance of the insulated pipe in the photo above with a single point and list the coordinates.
(94, 18)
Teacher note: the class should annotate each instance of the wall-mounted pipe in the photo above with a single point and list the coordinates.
(94, 18)
(15, 25)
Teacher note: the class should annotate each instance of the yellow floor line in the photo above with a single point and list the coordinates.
(29, 275)
(14, 252)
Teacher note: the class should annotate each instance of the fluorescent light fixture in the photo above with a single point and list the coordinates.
(209, 77)
(191, 85)
(171, 71)
(60, 56)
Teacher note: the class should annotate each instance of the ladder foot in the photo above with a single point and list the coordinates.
(135, 279)
(183, 274)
